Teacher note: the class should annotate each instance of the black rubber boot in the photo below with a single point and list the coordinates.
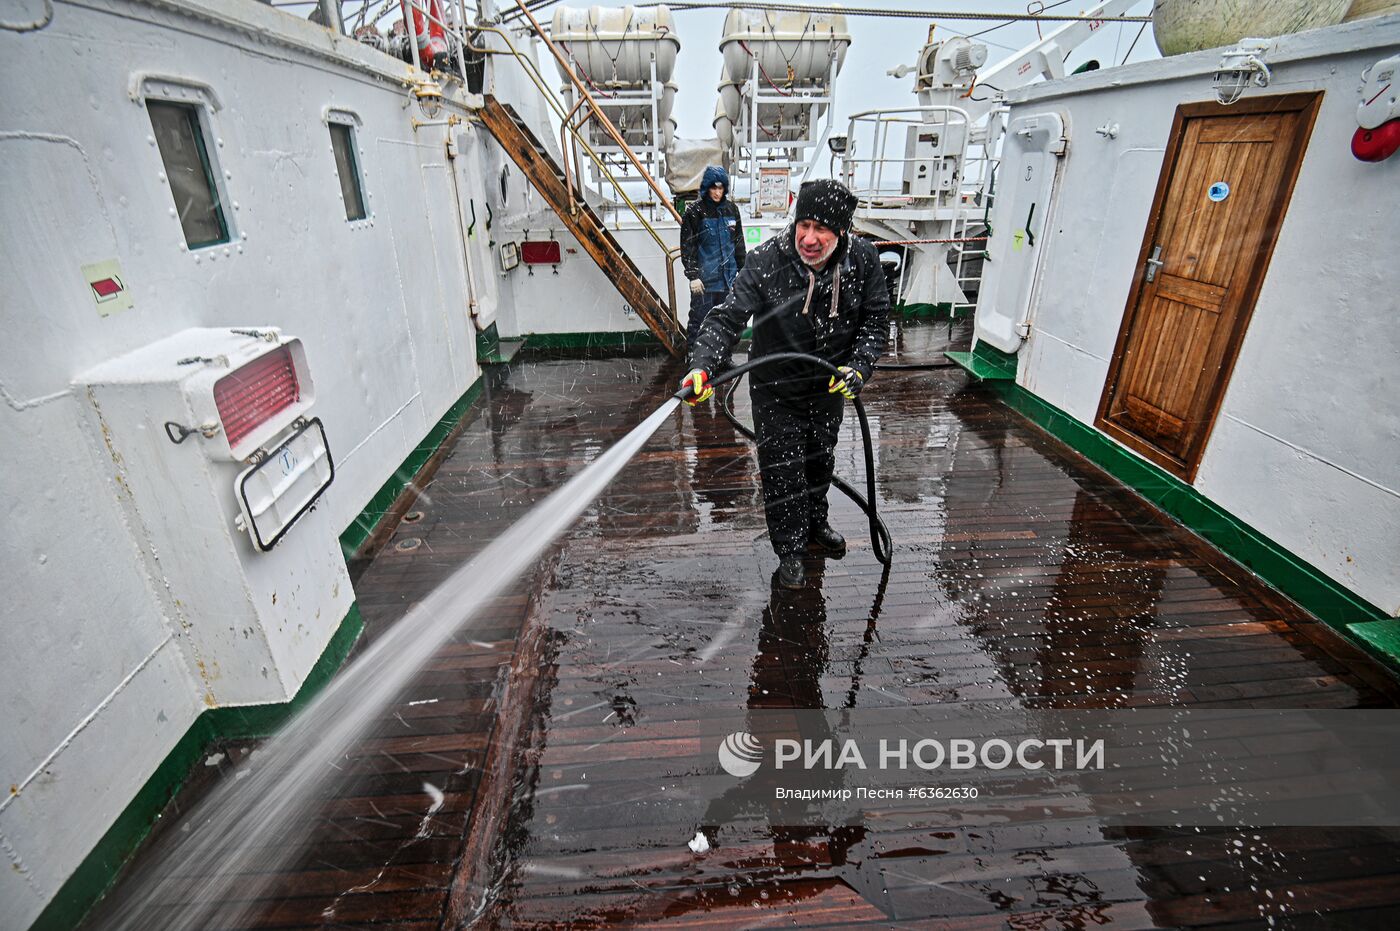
(791, 574)
(828, 542)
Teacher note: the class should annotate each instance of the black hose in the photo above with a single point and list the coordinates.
(879, 534)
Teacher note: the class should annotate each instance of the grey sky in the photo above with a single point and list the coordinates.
(877, 45)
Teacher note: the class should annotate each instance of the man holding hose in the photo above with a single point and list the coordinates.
(814, 289)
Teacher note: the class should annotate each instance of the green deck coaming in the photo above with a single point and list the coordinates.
(1307, 585)
(1381, 638)
(363, 525)
(99, 869)
(921, 311)
(492, 350)
(614, 340)
(986, 363)
(486, 342)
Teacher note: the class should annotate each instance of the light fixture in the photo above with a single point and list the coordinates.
(1240, 67)
(1377, 135)
(429, 97)
(837, 145)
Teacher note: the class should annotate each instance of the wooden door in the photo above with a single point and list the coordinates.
(1224, 187)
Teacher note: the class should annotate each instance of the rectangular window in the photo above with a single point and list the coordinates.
(343, 142)
(189, 172)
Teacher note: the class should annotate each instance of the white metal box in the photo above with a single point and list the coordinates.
(932, 158)
(218, 464)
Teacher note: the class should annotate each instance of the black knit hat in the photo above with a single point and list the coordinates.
(828, 202)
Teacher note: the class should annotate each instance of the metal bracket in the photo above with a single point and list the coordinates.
(265, 335)
(178, 433)
(1154, 263)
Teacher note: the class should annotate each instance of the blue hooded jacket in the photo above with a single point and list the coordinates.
(712, 235)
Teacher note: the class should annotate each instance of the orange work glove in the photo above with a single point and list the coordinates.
(700, 389)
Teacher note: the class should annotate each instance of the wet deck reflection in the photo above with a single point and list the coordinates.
(1021, 574)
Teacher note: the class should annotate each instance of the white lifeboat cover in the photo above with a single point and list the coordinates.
(790, 47)
(614, 46)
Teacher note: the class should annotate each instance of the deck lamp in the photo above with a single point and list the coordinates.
(1377, 135)
(1240, 67)
(429, 97)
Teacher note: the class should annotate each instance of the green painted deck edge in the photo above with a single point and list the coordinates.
(943, 309)
(1381, 637)
(1308, 586)
(488, 347)
(986, 363)
(354, 536)
(100, 868)
(244, 721)
(591, 340)
(486, 341)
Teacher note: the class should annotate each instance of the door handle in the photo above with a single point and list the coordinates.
(1154, 263)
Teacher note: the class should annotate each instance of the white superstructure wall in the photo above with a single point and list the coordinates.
(1304, 448)
(97, 683)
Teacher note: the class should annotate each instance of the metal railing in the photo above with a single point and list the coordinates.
(873, 128)
(571, 124)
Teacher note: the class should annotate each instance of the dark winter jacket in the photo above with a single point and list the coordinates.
(773, 290)
(712, 236)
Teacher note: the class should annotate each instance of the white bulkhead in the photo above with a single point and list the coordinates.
(1302, 447)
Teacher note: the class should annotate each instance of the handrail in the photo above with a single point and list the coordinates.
(542, 85)
(598, 113)
(538, 80)
(532, 72)
(881, 119)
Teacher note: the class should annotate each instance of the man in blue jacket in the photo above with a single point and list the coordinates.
(814, 289)
(712, 246)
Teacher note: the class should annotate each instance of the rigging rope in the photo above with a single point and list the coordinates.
(891, 14)
(534, 6)
(921, 242)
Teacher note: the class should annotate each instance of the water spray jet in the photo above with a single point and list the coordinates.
(235, 840)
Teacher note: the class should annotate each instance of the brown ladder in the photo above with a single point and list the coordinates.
(544, 173)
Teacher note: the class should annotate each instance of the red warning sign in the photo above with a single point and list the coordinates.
(107, 286)
(107, 289)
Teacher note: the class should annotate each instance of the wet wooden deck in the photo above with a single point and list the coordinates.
(1021, 573)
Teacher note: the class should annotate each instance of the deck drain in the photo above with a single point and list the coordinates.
(412, 517)
(410, 543)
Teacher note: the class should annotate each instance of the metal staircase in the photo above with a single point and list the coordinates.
(539, 166)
